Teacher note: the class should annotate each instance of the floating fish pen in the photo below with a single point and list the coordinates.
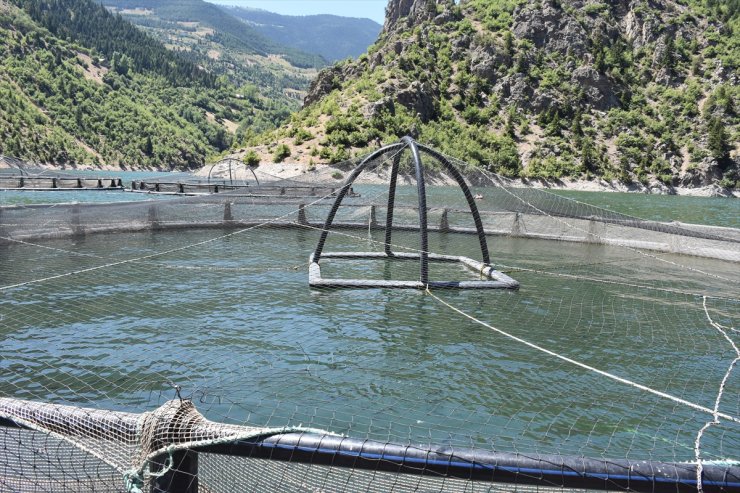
(180, 345)
(55, 183)
(204, 188)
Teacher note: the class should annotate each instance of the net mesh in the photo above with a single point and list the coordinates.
(137, 333)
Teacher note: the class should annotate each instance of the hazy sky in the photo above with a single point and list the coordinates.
(371, 9)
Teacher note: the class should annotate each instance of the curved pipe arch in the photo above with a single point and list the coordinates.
(229, 161)
(416, 150)
(343, 191)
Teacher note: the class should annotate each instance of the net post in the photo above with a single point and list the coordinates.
(228, 216)
(593, 236)
(54, 183)
(373, 218)
(516, 228)
(444, 223)
(153, 217)
(77, 229)
(182, 476)
(302, 214)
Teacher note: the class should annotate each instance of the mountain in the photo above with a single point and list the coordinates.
(79, 85)
(222, 27)
(333, 37)
(625, 90)
(224, 45)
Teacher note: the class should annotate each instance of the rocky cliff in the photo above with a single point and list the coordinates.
(627, 90)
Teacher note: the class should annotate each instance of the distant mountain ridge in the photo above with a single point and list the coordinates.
(333, 37)
(227, 29)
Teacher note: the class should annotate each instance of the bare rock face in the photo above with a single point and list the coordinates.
(485, 59)
(377, 108)
(419, 98)
(638, 30)
(597, 88)
(414, 10)
(707, 172)
(324, 83)
(551, 28)
(516, 89)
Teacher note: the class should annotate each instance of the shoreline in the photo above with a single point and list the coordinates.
(325, 173)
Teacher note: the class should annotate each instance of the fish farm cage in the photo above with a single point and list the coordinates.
(16, 174)
(236, 178)
(259, 342)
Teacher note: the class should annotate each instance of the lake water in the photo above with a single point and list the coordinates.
(231, 319)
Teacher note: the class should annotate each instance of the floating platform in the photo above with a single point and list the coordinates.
(56, 183)
(263, 190)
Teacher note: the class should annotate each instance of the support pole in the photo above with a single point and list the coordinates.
(153, 217)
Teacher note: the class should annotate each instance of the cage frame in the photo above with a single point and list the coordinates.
(491, 278)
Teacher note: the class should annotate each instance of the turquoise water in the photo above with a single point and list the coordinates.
(232, 321)
(14, 197)
(717, 211)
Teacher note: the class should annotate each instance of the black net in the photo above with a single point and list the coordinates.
(612, 366)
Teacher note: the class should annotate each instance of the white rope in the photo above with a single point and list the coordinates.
(588, 367)
(715, 412)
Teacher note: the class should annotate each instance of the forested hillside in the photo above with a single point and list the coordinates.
(225, 29)
(80, 85)
(204, 33)
(626, 90)
(333, 37)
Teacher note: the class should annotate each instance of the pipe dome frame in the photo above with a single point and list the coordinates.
(490, 278)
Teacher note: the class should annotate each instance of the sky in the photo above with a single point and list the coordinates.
(371, 9)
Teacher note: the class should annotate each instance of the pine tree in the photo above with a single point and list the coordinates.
(717, 140)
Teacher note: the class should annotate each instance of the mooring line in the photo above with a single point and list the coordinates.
(585, 366)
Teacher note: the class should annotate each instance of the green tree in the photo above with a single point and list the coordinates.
(281, 153)
(251, 158)
(718, 141)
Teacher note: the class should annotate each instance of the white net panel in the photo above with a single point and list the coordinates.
(613, 364)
